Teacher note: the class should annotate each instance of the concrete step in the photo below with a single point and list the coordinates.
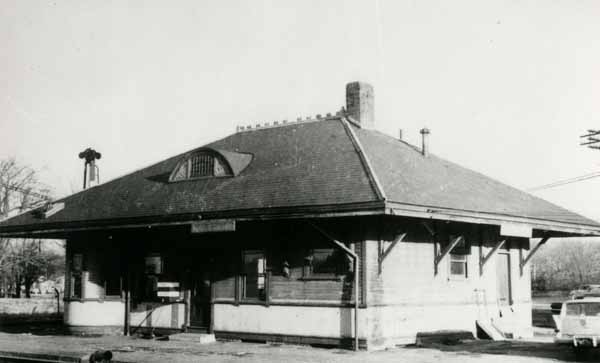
(491, 329)
(202, 338)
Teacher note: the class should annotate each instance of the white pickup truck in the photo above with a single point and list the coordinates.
(579, 323)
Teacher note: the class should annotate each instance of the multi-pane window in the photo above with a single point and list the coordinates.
(459, 259)
(201, 165)
(254, 275)
(458, 266)
(325, 262)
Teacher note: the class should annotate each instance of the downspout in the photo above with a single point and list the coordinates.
(354, 257)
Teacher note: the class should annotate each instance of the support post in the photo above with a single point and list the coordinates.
(187, 296)
(268, 287)
(128, 304)
(523, 262)
(213, 279)
(354, 257)
(485, 259)
(447, 250)
(57, 295)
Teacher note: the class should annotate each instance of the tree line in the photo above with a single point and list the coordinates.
(22, 260)
(566, 264)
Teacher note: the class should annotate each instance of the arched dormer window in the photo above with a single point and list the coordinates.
(206, 163)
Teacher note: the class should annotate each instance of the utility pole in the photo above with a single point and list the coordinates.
(591, 139)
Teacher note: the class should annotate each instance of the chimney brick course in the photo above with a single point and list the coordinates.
(360, 104)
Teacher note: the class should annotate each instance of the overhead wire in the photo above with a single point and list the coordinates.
(559, 183)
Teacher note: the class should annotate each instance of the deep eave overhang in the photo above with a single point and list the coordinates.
(63, 229)
(540, 226)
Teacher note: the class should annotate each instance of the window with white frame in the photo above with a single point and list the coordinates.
(458, 266)
(458, 262)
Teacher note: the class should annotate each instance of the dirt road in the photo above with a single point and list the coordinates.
(139, 350)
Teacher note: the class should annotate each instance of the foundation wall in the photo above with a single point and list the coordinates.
(327, 322)
(94, 313)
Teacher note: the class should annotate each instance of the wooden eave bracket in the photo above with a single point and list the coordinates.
(336, 242)
(484, 259)
(429, 228)
(447, 250)
(523, 261)
(383, 254)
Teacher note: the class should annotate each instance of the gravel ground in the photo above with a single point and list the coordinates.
(129, 349)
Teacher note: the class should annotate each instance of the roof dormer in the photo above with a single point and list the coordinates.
(209, 163)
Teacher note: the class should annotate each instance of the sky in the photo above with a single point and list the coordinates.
(506, 87)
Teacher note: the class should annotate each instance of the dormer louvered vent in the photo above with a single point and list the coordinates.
(207, 163)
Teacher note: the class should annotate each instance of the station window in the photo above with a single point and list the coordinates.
(459, 259)
(325, 263)
(253, 278)
(458, 266)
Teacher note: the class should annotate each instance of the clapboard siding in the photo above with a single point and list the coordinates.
(283, 289)
(224, 288)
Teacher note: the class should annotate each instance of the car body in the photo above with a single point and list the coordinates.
(579, 323)
(584, 290)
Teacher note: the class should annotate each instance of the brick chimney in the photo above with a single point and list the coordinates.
(360, 104)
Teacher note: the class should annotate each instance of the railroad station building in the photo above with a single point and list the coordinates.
(318, 231)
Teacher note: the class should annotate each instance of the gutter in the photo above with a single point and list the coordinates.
(323, 211)
(447, 214)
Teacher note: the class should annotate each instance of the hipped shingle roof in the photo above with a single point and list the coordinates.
(300, 165)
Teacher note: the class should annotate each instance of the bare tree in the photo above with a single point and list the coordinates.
(567, 264)
(20, 190)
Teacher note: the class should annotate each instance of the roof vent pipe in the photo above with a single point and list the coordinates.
(400, 134)
(425, 141)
